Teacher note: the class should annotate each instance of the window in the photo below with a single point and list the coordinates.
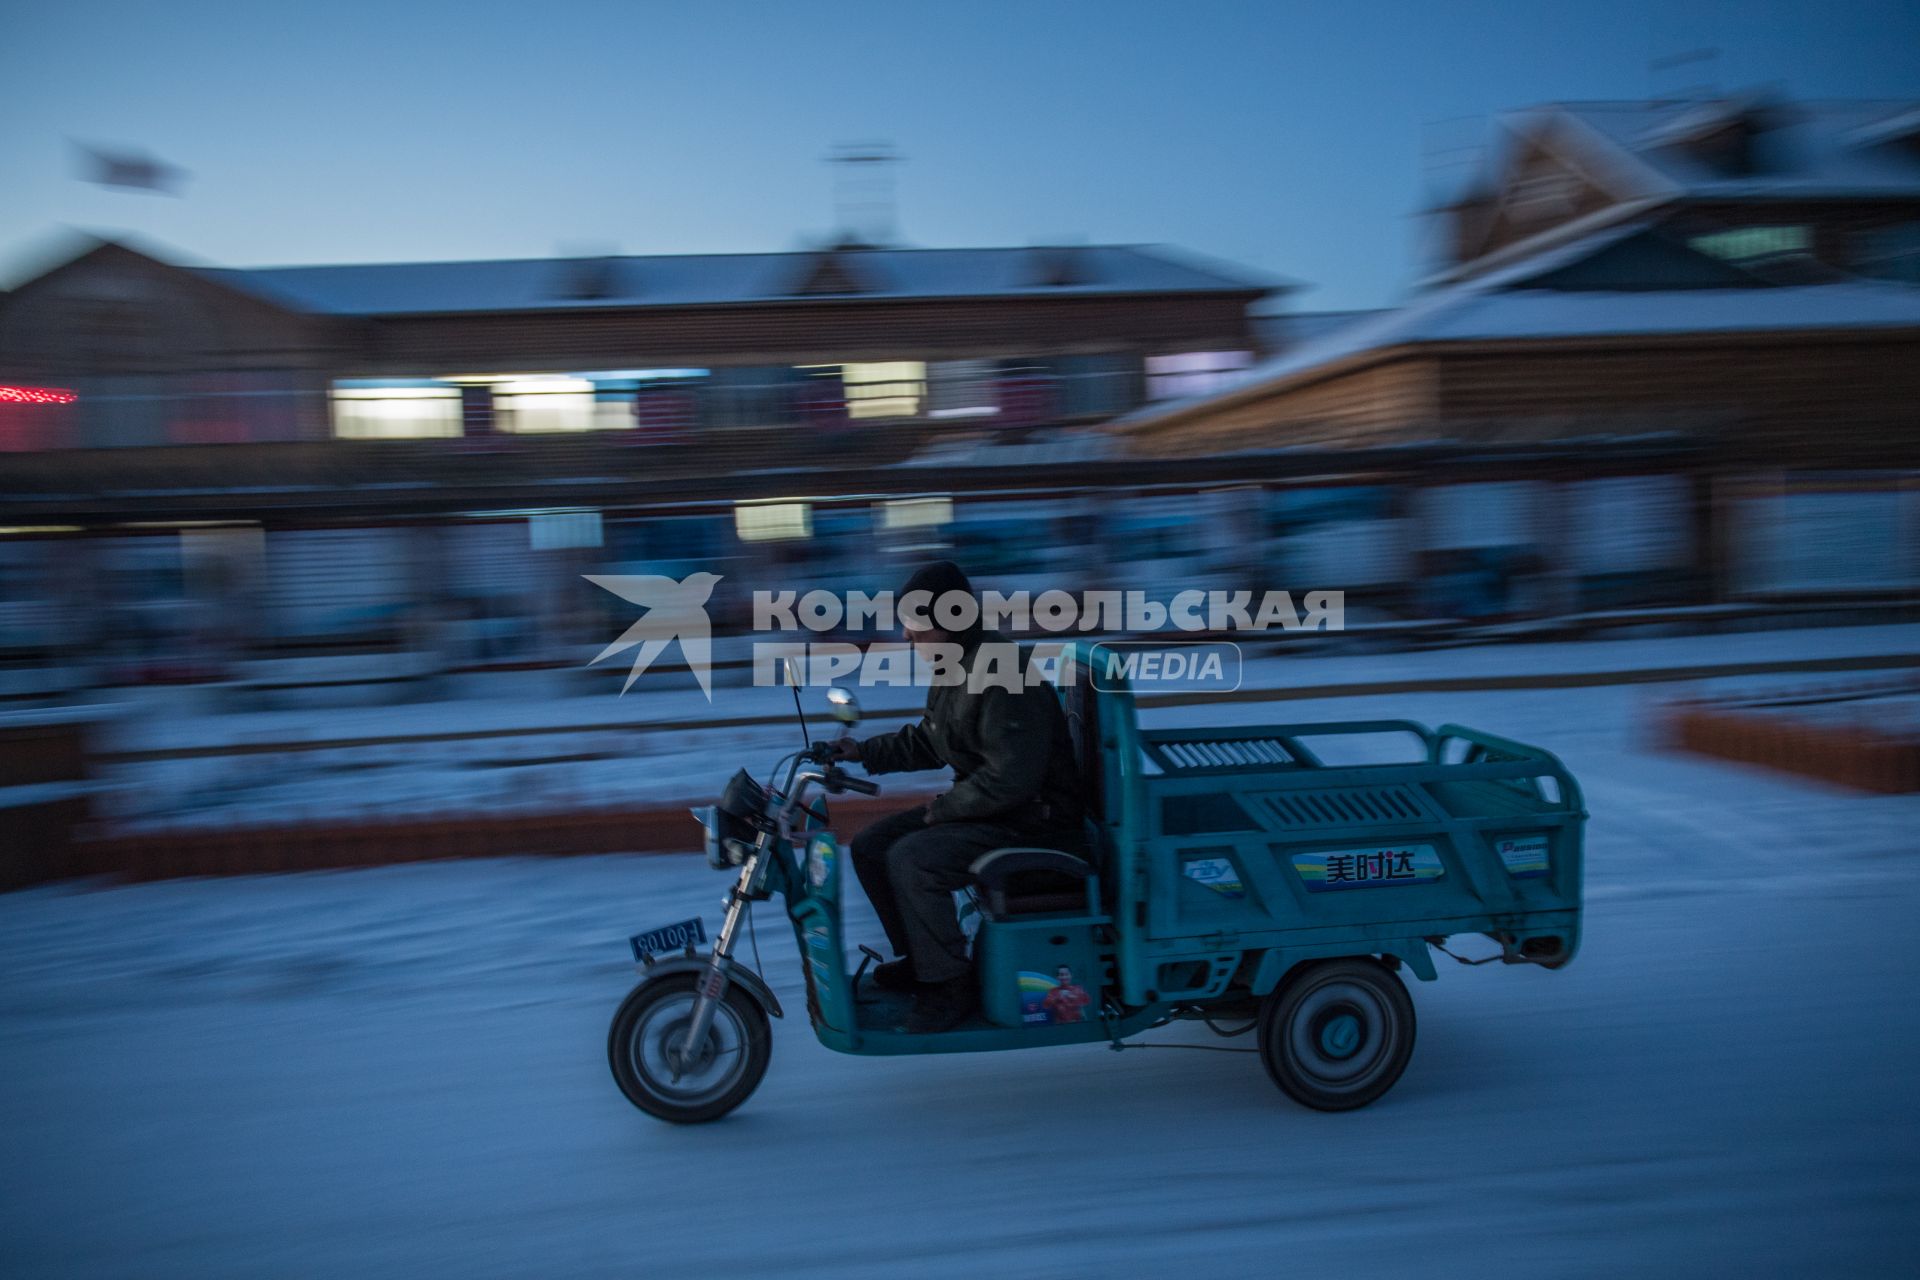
(1752, 244)
(1193, 373)
(916, 513)
(556, 530)
(773, 521)
(1097, 386)
(890, 389)
(395, 411)
(963, 389)
(1891, 253)
(554, 404)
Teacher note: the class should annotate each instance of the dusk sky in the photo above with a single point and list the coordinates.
(1293, 138)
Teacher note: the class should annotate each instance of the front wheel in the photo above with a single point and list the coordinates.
(662, 1075)
(1338, 1034)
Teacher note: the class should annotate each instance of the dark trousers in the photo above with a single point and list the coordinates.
(910, 870)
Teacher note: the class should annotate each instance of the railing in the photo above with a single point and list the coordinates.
(642, 410)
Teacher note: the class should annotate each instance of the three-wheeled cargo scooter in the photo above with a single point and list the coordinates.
(1236, 876)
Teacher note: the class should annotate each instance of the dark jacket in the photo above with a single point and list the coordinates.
(1011, 755)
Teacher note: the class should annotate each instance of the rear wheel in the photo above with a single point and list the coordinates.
(664, 1076)
(1338, 1034)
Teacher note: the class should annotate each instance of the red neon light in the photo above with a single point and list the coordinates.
(36, 395)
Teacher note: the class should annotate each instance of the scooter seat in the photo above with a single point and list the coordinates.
(1026, 881)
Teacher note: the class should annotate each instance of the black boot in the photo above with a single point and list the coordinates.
(895, 975)
(941, 1006)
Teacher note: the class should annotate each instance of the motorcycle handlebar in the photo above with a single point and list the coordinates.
(847, 782)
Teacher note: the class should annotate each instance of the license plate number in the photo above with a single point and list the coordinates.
(672, 937)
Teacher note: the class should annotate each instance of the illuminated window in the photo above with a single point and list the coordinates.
(891, 389)
(1192, 373)
(916, 513)
(553, 404)
(773, 521)
(1748, 244)
(369, 411)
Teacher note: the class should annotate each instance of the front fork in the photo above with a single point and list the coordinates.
(713, 983)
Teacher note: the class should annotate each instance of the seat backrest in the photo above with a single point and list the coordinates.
(1081, 703)
(1082, 707)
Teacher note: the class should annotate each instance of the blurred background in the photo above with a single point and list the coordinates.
(1652, 366)
(1573, 347)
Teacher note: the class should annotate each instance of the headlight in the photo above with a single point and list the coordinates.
(725, 845)
(707, 817)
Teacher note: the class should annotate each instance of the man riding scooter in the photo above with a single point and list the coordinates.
(1014, 783)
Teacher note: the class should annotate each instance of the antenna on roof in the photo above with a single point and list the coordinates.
(863, 199)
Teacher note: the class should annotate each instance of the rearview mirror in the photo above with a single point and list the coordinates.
(843, 706)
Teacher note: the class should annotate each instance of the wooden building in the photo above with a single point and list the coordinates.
(157, 353)
(1741, 273)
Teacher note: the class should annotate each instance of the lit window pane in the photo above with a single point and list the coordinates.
(1745, 244)
(1192, 373)
(545, 404)
(916, 513)
(395, 413)
(769, 522)
(891, 389)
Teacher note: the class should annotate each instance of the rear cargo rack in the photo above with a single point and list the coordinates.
(1190, 751)
(1348, 806)
(1193, 755)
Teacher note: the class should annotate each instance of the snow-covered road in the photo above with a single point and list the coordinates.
(401, 1072)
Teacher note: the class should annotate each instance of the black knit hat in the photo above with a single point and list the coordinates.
(939, 579)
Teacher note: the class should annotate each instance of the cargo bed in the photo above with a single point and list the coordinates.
(1260, 847)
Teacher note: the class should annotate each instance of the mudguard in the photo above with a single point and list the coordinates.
(737, 974)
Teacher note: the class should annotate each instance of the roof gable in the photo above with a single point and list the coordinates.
(831, 273)
(96, 255)
(1794, 150)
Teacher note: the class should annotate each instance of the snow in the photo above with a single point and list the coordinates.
(1812, 149)
(401, 1072)
(1499, 304)
(401, 288)
(1488, 307)
(531, 747)
(1554, 313)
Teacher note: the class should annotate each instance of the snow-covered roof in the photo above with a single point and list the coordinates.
(1801, 150)
(1289, 329)
(1500, 305)
(398, 288)
(1641, 153)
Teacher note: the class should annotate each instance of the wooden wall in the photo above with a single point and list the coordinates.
(1367, 405)
(1825, 398)
(817, 331)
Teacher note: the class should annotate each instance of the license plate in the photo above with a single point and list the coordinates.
(673, 937)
